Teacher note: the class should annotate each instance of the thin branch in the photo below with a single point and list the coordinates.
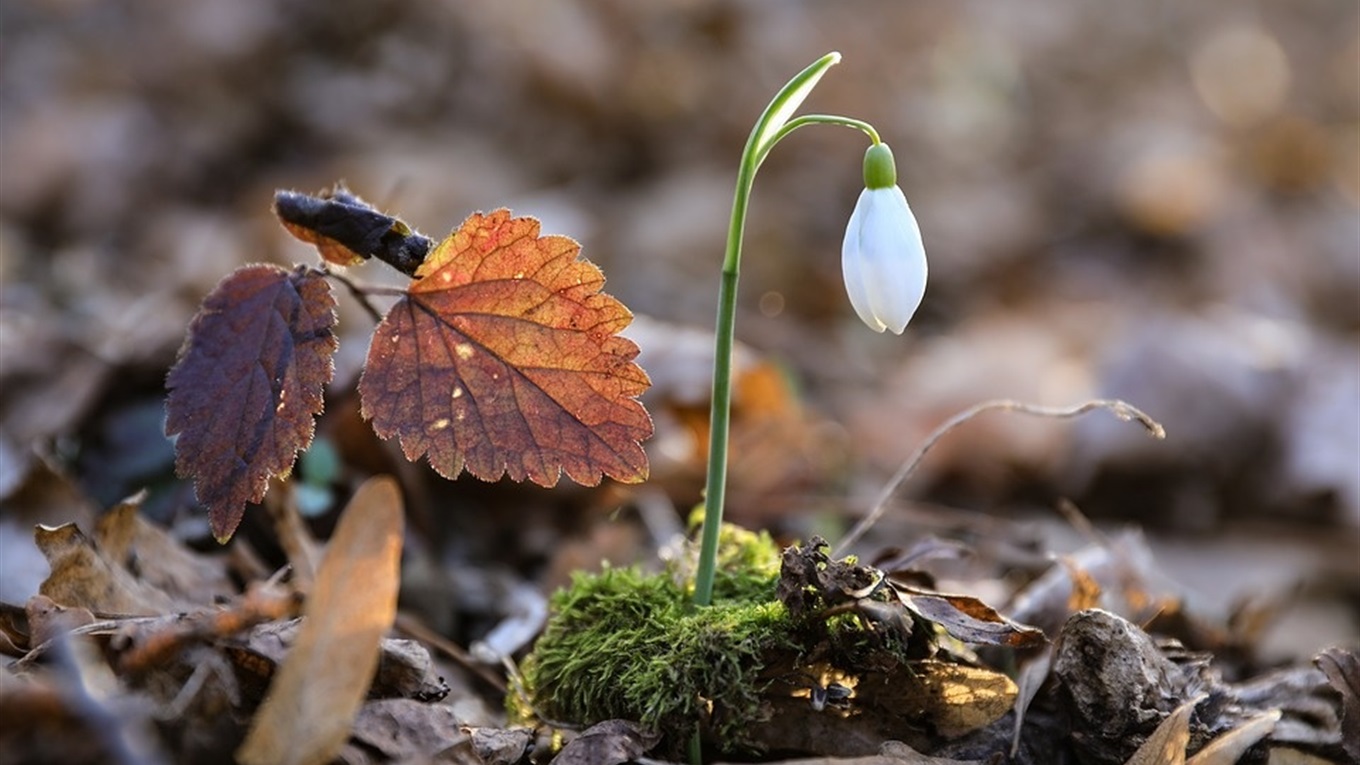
(1121, 409)
(361, 292)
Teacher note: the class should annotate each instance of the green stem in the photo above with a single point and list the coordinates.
(818, 119)
(774, 124)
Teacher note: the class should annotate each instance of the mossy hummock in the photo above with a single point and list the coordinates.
(797, 650)
(627, 644)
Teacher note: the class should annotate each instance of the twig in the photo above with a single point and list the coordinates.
(360, 292)
(418, 630)
(1120, 409)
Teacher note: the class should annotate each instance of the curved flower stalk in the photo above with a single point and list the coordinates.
(884, 267)
(882, 258)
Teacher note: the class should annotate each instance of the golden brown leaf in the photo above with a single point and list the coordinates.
(313, 699)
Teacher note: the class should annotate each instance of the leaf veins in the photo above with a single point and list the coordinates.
(503, 358)
(248, 384)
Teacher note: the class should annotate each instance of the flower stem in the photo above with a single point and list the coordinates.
(819, 119)
(774, 123)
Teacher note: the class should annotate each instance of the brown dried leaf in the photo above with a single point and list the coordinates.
(248, 384)
(83, 576)
(1342, 668)
(968, 618)
(405, 669)
(502, 358)
(953, 699)
(810, 580)
(48, 620)
(1166, 745)
(161, 561)
(405, 730)
(313, 699)
(1228, 748)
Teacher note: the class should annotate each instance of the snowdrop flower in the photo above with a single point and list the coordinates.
(882, 258)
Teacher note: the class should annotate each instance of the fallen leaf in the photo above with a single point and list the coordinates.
(150, 645)
(952, 699)
(1342, 668)
(502, 358)
(810, 580)
(248, 384)
(968, 618)
(1118, 573)
(128, 567)
(312, 702)
(608, 743)
(1033, 668)
(48, 620)
(48, 497)
(161, 561)
(83, 576)
(405, 730)
(1228, 748)
(16, 629)
(1166, 745)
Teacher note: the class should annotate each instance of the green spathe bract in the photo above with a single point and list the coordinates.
(631, 645)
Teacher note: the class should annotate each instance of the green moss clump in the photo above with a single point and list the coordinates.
(627, 644)
(747, 566)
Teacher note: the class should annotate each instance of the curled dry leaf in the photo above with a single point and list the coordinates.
(127, 567)
(128, 539)
(248, 384)
(969, 619)
(503, 358)
(1166, 745)
(1228, 748)
(313, 699)
(83, 576)
(1342, 668)
(347, 230)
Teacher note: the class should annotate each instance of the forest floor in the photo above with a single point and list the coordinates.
(1162, 208)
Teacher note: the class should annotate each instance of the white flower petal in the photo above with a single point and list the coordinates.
(852, 267)
(883, 260)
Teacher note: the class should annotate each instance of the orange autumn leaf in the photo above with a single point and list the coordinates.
(503, 358)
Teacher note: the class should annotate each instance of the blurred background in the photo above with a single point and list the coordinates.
(1153, 201)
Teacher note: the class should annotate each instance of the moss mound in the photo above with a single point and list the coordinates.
(627, 644)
